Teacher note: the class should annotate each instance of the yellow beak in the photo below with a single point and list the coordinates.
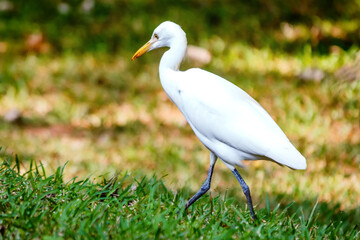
(142, 50)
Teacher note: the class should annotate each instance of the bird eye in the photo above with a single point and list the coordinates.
(156, 36)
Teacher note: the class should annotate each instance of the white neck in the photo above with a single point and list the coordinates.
(172, 58)
(169, 67)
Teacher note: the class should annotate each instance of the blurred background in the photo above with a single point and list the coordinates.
(69, 91)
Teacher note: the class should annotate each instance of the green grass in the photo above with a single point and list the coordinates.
(34, 205)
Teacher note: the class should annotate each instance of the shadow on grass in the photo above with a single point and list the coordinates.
(324, 212)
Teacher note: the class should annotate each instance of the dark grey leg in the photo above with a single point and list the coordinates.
(204, 188)
(246, 191)
(206, 185)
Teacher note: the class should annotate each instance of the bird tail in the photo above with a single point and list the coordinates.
(288, 156)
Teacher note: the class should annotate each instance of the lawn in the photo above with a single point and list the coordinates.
(38, 206)
(75, 111)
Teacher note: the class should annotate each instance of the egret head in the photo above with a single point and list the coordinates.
(163, 36)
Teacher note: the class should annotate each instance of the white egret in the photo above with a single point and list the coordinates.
(231, 124)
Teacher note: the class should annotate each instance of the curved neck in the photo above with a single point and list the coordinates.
(169, 67)
(172, 58)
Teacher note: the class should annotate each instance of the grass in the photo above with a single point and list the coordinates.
(100, 114)
(34, 205)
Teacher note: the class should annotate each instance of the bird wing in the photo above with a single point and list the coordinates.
(221, 111)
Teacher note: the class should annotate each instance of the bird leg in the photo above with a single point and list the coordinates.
(206, 185)
(204, 188)
(246, 191)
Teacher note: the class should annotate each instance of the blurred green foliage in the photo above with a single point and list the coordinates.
(117, 26)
